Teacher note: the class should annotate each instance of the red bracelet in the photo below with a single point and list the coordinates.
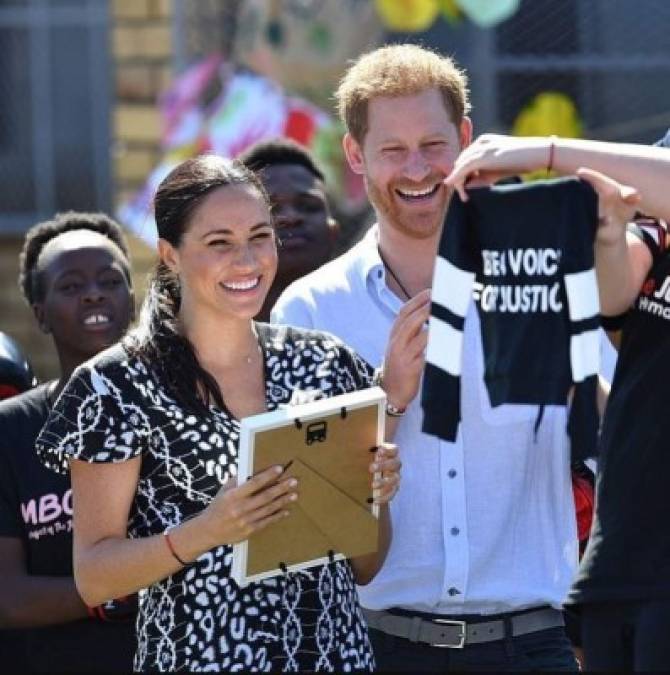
(168, 541)
(552, 146)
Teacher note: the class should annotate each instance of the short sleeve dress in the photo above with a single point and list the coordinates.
(115, 408)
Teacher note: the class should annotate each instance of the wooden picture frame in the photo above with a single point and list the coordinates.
(327, 445)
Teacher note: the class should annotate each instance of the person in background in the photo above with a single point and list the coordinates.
(16, 373)
(306, 231)
(16, 376)
(75, 275)
(151, 429)
(623, 585)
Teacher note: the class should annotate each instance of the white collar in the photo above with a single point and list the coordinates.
(369, 260)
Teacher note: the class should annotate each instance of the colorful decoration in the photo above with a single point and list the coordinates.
(550, 112)
(407, 16)
(451, 11)
(489, 13)
(305, 44)
(413, 16)
(215, 108)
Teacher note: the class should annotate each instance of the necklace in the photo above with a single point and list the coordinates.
(256, 349)
(387, 267)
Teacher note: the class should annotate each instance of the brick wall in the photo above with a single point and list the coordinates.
(142, 55)
(141, 41)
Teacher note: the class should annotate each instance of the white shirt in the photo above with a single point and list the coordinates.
(482, 525)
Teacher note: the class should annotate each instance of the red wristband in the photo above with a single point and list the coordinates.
(168, 541)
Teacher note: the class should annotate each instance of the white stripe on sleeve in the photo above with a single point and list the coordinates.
(445, 345)
(582, 291)
(452, 286)
(585, 355)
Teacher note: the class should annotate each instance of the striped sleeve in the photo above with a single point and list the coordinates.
(452, 289)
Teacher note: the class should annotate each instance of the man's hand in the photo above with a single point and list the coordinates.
(405, 352)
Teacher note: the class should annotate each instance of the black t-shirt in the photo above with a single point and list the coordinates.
(628, 555)
(537, 299)
(36, 507)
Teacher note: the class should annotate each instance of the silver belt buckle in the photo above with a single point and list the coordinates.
(461, 637)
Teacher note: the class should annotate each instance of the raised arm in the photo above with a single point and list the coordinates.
(627, 178)
(622, 260)
(646, 168)
(405, 356)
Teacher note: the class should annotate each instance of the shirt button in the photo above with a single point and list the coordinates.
(453, 591)
(454, 531)
(452, 473)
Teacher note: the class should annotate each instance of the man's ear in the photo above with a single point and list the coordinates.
(333, 230)
(465, 132)
(168, 255)
(353, 153)
(38, 312)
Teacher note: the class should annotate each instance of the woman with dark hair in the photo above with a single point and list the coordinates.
(75, 276)
(151, 430)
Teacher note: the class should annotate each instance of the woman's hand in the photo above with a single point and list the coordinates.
(386, 478)
(492, 157)
(237, 512)
(405, 352)
(386, 470)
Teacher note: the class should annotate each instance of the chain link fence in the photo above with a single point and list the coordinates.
(610, 59)
(203, 27)
(613, 58)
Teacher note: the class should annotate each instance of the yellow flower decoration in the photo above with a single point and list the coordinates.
(408, 16)
(548, 113)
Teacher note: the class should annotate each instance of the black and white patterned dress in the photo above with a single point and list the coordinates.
(115, 408)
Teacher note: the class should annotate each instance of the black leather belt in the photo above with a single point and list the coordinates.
(455, 634)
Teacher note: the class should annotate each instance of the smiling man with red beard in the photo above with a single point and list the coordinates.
(485, 541)
(75, 275)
